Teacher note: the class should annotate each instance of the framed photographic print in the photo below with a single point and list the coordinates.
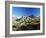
(24, 18)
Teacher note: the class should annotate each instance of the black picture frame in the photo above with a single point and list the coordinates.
(7, 18)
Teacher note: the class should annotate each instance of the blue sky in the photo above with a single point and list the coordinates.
(21, 11)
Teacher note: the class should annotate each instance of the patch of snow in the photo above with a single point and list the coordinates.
(18, 17)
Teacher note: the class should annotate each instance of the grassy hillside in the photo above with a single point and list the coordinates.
(26, 23)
